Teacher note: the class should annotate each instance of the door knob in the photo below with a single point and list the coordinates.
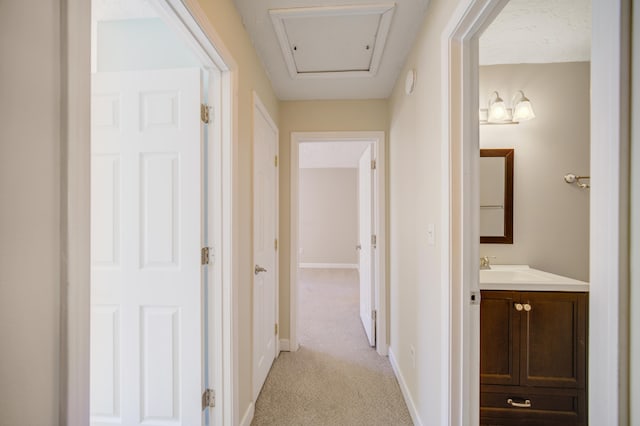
(259, 269)
(527, 307)
(518, 306)
(359, 247)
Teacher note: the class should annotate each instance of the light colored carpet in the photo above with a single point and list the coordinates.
(335, 378)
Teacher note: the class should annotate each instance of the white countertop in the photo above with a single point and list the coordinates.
(524, 278)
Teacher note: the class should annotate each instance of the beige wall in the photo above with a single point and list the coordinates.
(328, 215)
(251, 76)
(415, 192)
(29, 212)
(315, 116)
(551, 217)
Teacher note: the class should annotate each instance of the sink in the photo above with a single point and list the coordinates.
(524, 278)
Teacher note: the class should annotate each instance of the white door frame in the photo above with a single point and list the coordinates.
(258, 106)
(608, 311)
(190, 22)
(378, 141)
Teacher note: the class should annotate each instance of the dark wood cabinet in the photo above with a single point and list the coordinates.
(533, 366)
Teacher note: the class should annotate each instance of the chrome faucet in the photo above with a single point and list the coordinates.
(485, 263)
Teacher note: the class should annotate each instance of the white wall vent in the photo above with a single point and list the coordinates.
(333, 41)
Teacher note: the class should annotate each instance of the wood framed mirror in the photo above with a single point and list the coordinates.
(496, 196)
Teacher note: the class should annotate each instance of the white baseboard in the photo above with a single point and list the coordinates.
(284, 345)
(329, 265)
(248, 415)
(405, 390)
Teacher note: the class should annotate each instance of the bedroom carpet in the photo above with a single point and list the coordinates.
(335, 378)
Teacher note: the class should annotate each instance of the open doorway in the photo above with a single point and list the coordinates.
(157, 218)
(534, 167)
(332, 227)
(608, 263)
(337, 236)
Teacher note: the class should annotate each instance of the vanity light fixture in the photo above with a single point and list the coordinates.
(522, 109)
(497, 109)
(498, 113)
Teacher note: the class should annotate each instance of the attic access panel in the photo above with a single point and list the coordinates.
(331, 42)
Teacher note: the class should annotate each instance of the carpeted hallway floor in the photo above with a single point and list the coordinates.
(335, 378)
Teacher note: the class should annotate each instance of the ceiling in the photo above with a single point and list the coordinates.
(337, 47)
(330, 155)
(538, 31)
(354, 49)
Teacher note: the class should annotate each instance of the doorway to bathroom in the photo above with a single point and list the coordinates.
(607, 392)
(534, 217)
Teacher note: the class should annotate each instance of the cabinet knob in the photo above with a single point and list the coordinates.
(518, 306)
(527, 307)
(525, 404)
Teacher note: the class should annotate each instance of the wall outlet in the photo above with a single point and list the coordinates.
(412, 353)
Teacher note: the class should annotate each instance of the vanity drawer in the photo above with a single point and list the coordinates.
(547, 407)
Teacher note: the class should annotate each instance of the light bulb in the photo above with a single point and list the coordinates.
(522, 109)
(497, 110)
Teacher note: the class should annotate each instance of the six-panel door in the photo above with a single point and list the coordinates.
(146, 325)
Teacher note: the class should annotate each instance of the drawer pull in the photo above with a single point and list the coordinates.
(525, 404)
(518, 306)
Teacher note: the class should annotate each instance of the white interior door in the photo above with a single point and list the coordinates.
(265, 145)
(365, 268)
(146, 326)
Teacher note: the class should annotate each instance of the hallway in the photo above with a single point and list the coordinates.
(335, 378)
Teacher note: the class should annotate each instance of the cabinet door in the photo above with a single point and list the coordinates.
(553, 340)
(499, 338)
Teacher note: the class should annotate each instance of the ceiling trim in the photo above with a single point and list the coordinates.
(278, 17)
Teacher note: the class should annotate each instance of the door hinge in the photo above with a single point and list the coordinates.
(205, 113)
(208, 399)
(374, 241)
(276, 161)
(275, 244)
(374, 315)
(276, 329)
(205, 255)
(373, 164)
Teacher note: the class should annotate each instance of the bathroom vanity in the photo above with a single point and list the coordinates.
(533, 347)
